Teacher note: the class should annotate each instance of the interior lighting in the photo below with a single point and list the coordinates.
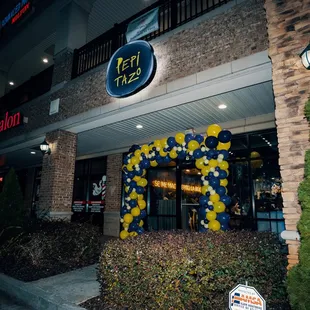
(222, 106)
(11, 83)
(139, 126)
(45, 60)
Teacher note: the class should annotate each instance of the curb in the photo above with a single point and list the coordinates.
(33, 296)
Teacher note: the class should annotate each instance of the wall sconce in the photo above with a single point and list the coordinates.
(44, 147)
(305, 57)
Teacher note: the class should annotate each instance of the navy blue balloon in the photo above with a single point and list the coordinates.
(226, 200)
(159, 159)
(224, 136)
(221, 190)
(224, 227)
(139, 173)
(124, 211)
(214, 182)
(199, 138)
(211, 153)
(211, 142)
(210, 208)
(198, 154)
(143, 214)
(133, 227)
(225, 153)
(140, 230)
(145, 164)
(133, 184)
(131, 174)
(133, 203)
(182, 155)
(223, 218)
(203, 200)
(222, 174)
(202, 229)
(171, 142)
(167, 159)
(140, 190)
(189, 137)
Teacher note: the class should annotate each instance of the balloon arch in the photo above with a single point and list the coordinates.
(210, 154)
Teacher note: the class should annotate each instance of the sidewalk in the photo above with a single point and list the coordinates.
(7, 303)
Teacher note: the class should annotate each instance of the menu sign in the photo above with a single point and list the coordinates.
(96, 206)
(79, 206)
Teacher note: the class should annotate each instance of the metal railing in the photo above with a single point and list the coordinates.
(172, 14)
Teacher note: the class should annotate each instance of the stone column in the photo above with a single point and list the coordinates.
(111, 225)
(71, 33)
(288, 30)
(58, 175)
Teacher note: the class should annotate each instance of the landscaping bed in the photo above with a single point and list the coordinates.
(50, 248)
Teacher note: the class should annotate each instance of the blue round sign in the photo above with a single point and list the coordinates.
(131, 68)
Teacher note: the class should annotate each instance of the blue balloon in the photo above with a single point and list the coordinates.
(133, 203)
(202, 229)
(159, 159)
(140, 190)
(189, 137)
(139, 173)
(133, 227)
(131, 174)
(203, 200)
(214, 182)
(124, 211)
(145, 164)
(226, 200)
(224, 227)
(210, 208)
(140, 230)
(211, 153)
(222, 174)
(224, 136)
(133, 184)
(223, 218)
(221, 190)
(199, 138)
(211, 142)
(225, 153)
(167, 159)
(198, 154)
(143, 214)
(182, 155)
(171, 142)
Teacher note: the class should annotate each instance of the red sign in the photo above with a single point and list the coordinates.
(10, 121)
(23, 10)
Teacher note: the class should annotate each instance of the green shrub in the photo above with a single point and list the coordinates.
(179, 270)
(53, 247)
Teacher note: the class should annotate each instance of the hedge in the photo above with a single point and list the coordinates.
(180, 270)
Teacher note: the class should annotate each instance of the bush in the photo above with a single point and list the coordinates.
(53, 247)
(179, 270)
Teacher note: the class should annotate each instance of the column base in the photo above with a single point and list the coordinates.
(111, 223)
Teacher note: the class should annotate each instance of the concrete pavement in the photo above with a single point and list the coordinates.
(7, 303)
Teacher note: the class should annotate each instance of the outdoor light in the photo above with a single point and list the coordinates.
(139, 126)
(44, 147)
(222, 106)
(305, 57)
(11, 83)
(45, 60)
(32, 153)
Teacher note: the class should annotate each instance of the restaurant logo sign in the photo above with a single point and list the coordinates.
(10, 121)
(246, 297)
(131, 68)
(20, 9)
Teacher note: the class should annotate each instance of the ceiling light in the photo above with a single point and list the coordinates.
(139, 126)
(32, 152)
(187, 170)
(11, 83)
(222, 106)
(45, 60)
(199, 173)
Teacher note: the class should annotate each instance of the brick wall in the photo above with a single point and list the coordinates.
(58, 172)
(62, 67)
(114, 182)
(236, 33)
(288, 30)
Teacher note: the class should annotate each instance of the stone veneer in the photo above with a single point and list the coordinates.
(289, 34)
(236, 33)
(62, 67)
(58, 174)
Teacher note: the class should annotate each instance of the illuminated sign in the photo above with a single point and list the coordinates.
(172, 185)
(10, 121)
(16, 13)
(131, 68)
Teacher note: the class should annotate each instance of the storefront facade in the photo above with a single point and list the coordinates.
(211, 57)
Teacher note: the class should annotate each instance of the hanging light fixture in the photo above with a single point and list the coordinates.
(44, 147)
(305, 57)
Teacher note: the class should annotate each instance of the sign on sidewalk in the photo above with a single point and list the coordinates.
(244, 297)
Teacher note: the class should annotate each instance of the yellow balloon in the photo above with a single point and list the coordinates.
(133, 234)
(219, 207)
(144, 172)
(180, 137)
(154, 163)
(255, 154)
(128, 218)
(157, 143)
(151, 147)
(136, 178)
(199, 163)
(223, 182)
(214, 225)
(213, 163)
(135, 160)
(127, 189)
(133, 195)
(223, 146)
(204, 189)
(173, 154)
(215, 198)
(224, 165)
(135, 211)
(214, 130)
(211, 216)
(162, 153)
(205, 170)
(142, 182)
(227, 172)
(141, 223)
(138, 153)
(129, 167)
(140, 197)
(124, 234)
(125, 225)
(163, 142)
(145, 149)
(142, 204)
(193, 145)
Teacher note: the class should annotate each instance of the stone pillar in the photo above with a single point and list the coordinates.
(58, 175)
(71, 33)
(111, 225)
(288, 30)
(3, 82)
(29, 188)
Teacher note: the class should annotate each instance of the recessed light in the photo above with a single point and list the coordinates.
(139, 126)
(11, 83)
(222, 106)
(187, 170)
(32, 153)
(45, 60)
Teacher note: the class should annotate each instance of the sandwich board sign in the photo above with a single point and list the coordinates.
(244, 297)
